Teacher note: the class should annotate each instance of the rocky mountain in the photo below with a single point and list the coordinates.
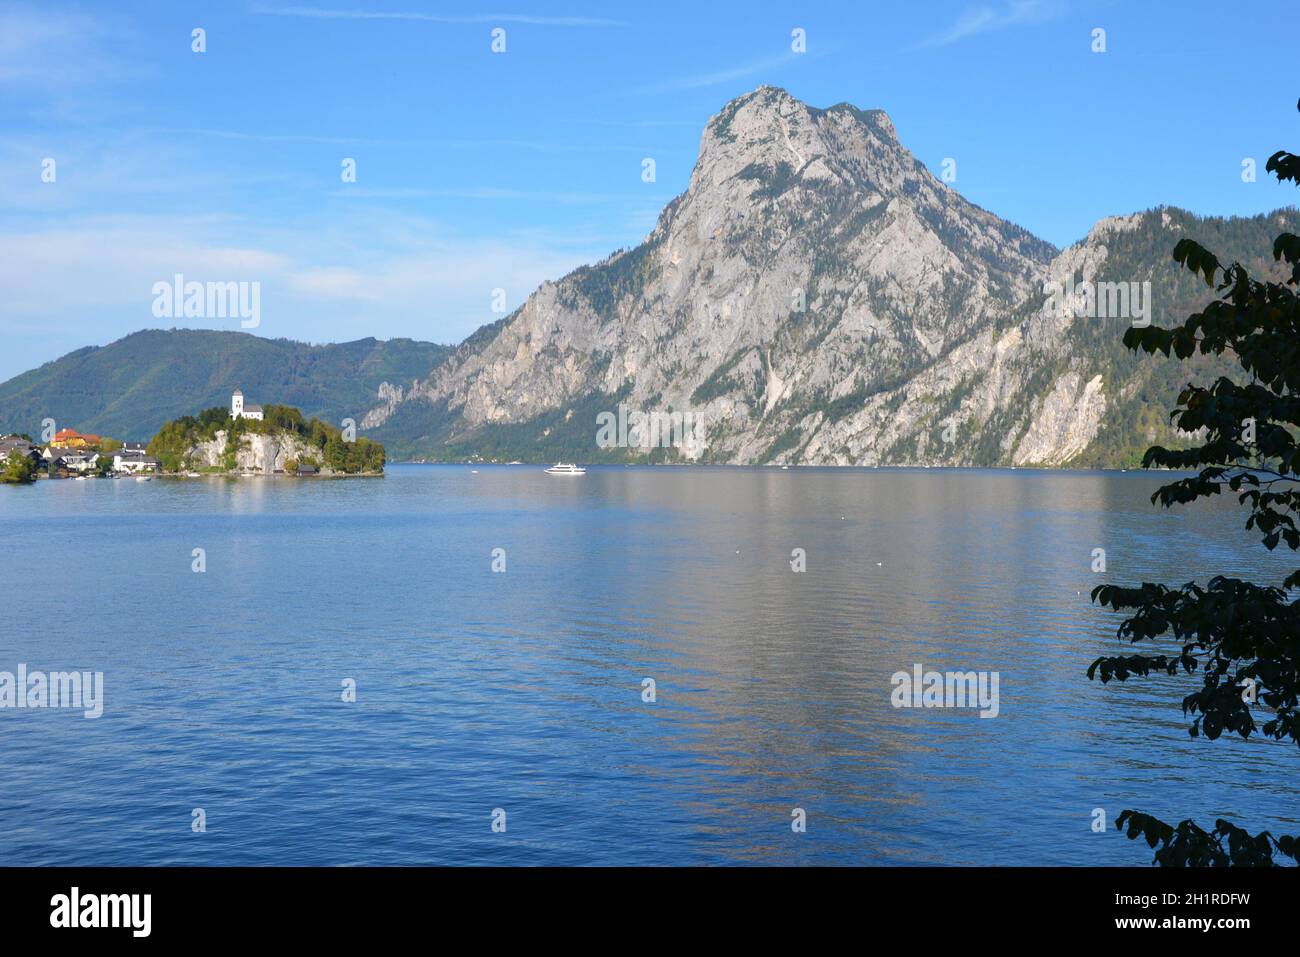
(817, 296)
(129, 388)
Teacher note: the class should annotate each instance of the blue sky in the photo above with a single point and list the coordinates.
(478, 171)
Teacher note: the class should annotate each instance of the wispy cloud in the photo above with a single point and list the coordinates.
(986, 19)
(50, 48)
(320, 13)
(479, 192)
(117, 170)
(335, 277)
(272, 137)
(714, 78)
(693, 124)
(534, 146)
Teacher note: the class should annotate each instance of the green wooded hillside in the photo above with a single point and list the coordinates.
(129, 388)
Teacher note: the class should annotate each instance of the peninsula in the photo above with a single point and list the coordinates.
(263, 440)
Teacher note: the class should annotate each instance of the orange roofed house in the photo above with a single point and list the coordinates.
(71, 439)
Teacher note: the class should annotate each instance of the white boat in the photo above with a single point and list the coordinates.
(144, 478)
(564, 468)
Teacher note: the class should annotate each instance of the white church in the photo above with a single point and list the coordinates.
(240, 411)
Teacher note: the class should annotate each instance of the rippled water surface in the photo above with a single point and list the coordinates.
(523, 690)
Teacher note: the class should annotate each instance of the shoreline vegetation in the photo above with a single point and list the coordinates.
(236, 443)
(17, 469)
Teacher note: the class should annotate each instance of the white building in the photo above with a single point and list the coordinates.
(240, 411)
(133, 460)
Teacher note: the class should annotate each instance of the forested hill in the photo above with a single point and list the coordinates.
(129, 388)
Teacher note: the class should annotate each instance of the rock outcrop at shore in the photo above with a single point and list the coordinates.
(258, 453)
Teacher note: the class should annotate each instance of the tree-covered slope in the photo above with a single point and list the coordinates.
(1140, 388)
(129, 388)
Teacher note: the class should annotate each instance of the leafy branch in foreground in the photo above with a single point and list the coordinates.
(1190, 846)
(1243, 637)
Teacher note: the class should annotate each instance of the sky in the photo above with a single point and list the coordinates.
(479, 174)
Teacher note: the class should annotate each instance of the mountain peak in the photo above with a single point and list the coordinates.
(877, 121)
(815, 295)
(751, 115)
(771, 138)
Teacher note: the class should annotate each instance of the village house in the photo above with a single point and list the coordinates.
(12, 443)
(69, 460)
(240, 411)
(72, 439)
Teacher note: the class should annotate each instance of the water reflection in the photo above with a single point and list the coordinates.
(523, 689)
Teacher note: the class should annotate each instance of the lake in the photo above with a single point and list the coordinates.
(522, 690)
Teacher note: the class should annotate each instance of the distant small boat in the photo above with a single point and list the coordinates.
(144, 478)
(563, 468)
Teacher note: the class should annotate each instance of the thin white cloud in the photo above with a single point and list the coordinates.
(716, 77)
(337, 278)
(320, 13)
(987, 18)
(43, 48)
(116, 260)
(630, 124)
(478, 192)
(119, 172)
(273, 137)
(534, 146)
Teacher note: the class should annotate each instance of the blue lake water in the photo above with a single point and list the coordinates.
(522, 690)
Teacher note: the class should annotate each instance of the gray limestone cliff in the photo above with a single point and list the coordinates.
(815, 296)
